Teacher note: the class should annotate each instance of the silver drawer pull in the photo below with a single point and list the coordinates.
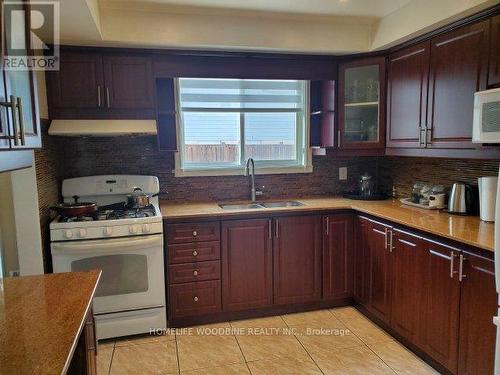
(195, 253)
(195, 233)
(195, 299)
(195, 273)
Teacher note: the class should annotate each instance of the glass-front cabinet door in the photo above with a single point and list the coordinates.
(362, 104)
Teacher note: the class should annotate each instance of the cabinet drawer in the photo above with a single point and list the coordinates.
(195, 298)
(193, 232)
(193, 252)
(192, 272)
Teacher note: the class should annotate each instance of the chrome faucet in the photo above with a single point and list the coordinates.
(253, 192)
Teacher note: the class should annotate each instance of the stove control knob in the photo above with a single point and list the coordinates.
(68, 233)
(82, 233)
(108, 231)
(146, 228)
(132, 229)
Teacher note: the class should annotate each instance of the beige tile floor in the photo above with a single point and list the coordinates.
(336, 341)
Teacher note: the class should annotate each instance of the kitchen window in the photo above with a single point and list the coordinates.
(223, 122)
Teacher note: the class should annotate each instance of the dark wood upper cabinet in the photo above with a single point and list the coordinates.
(380, 271)
(94, 85)
(478, 304)
(361, 110)
(322, 113)
(441, 307)
(337, 256)
(247, 264)
(297, 259)
(408, 266)
(78, 84)
(129, 82)
(166, 115)
(408, 73)
(494, 73)
(458, 68)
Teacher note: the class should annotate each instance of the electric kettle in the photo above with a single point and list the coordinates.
(463, 199)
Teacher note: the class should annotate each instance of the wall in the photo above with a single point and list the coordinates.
(402, 173)
(139, 155)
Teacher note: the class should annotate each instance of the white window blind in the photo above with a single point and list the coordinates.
(224, 122)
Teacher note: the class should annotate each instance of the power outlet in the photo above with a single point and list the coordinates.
(343, 173)
(14, 273)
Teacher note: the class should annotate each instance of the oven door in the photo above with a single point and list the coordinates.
(132, 270)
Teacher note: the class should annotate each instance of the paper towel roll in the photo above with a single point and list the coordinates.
(487, 197)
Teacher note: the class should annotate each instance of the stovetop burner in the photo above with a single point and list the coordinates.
(113, 212)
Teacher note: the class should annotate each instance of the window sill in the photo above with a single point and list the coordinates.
(240, 171)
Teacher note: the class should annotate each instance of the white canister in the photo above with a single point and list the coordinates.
(487, 197)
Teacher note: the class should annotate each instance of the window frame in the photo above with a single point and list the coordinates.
(303, 151)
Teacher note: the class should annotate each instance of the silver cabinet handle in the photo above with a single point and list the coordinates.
(391, 241)
(99, 104)
(13, 105)
(338, 137)
(316, 113)
(385, 234)
(21, 120)
(461, 275)
(428, 136)
(195, 273)
(195, 299)
(277, 231)
(422, 136)
(327, 225)
(107, 97)
(270, 230)
(452, 265)
(407, 242)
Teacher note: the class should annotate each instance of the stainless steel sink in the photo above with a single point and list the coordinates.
(247, 206)
(282, 204)
(244, 206)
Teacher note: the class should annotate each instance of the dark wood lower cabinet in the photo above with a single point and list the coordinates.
(84, 361)
(408, 268)
(380, 271)
(441, 307)
(297, 259)
(435, 297)
(337, 256)
(247, 264)
(478, 305)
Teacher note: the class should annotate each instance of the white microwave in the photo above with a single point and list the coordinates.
(486, 124)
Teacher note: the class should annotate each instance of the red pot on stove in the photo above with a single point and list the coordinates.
(76, 208)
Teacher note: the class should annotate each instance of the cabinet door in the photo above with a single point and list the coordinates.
(362, 104)
(458, 68)
(322, 112)
(408, 270)
(21, 84)
(478, 303)
(297, 259)
(337, 256)
(408, 74)
(494, 74)
(380, 271)
(129, 82)
(362, 230)
(78, 84)
(441, 308)
(247, 261)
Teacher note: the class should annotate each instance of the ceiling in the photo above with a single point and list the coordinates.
(293, 26)
(372, 8)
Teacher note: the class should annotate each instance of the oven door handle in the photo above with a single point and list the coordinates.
(103, 246)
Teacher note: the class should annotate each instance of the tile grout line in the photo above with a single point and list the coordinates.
(303, 347)
(177, 354)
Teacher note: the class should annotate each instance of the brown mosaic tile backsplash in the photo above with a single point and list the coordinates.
(402, 173)
(139, 155)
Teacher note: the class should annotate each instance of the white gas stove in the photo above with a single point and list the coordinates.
(125, 243)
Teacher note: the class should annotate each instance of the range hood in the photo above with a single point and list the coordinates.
(102, 128)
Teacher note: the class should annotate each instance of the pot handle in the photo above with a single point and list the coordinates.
(75, 197)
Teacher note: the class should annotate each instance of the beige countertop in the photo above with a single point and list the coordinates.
(466, 229)
(41, 319)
